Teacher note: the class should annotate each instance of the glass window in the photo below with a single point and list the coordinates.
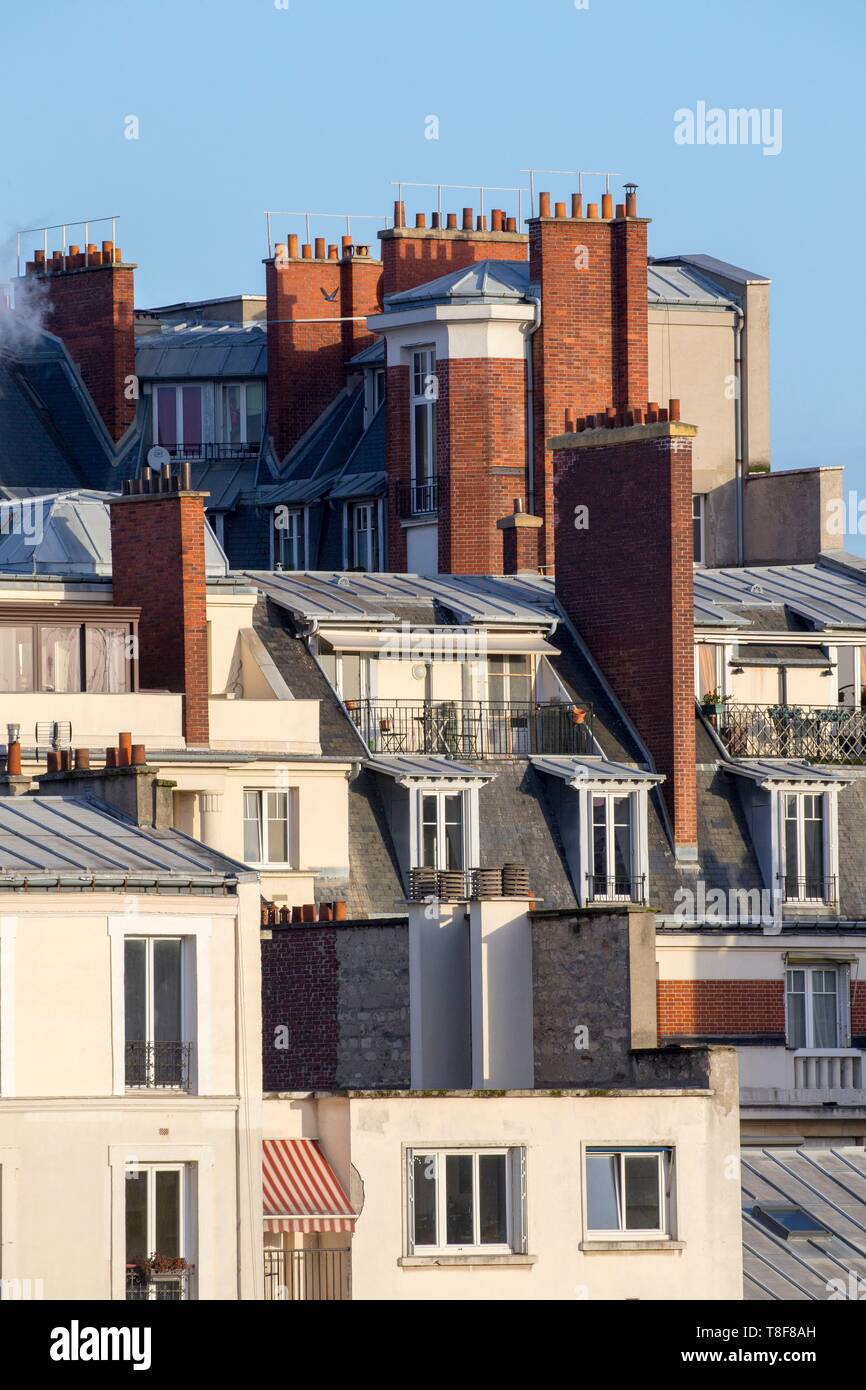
(166, 417)
(154, 1225)
(463, 1199)
(289, 539)
(16, 658)
(365, 536)
(156, 1053)
(611, 847)
(627, 1191)
(805, 876)
(442, 835)
(60, 656)
(813, 1007)
(424, 393)
(698, 510)
(266, 827)
(232, 413)
(178, 419)
(107, 658)
(255, 411)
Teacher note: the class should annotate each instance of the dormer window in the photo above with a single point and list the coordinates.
(611, 872)
(805, 873)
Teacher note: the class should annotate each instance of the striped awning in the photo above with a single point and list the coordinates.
(301, 1192)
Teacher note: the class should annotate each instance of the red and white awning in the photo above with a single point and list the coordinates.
(300, 1189)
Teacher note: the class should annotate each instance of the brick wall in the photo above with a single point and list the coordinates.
(411, 256)
(735, 1008)
(91, 309)
(626, 581)
(158, 563)
(591, 349)
(307, 360)
(342, 992)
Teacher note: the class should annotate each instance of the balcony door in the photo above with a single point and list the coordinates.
(509, 712)
(611, 853)
(157, 1226)
(156, 1054)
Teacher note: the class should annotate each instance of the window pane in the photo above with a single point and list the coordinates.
(255, 412)
(492, 1199)
(599, 842)
(16, 658)
(642, 1209)
(166, 416)
(602, 1206)
(232, 413)
(796, 1008)
(106, 657)
(824, 1008)
(191, 417)
(430, 834)
(458, 1199)
(61, 658)
(167, 1215)
(166, 990)
(252, 850)
(792, 849)
(453, 831)
(424, 1193)
(278, 838)
(813, 843)
(134, 988)
(422, 445)
(135, 1187)
(622, 844)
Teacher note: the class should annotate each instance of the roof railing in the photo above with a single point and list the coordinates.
(579, 174)
(347, 217)
(479, 188)
(63, 227)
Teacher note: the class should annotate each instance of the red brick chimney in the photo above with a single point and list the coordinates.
(413, 255)
(624, 575)
(591, 349)
(158, 564)
(90, 306)
(312, 296)
(519, 539)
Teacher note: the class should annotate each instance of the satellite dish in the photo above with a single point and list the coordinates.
(157, 456)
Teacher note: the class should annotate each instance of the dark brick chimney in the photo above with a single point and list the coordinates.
(624, 575)
(90, 306)
(158, 564)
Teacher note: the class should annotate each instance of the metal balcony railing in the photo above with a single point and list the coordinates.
(307, 1276)
(620, 888)
(472, 728)
(156, 1288)
(213, 452)
(417, 499)
(813, 888)
(811, 733)
(155, 1065)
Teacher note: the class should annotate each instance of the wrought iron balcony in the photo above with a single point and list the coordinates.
(811, 733)
(213, 452)
(158, 1065)
(308, 1276)
(156, 1288)
(814, 888)
(472, 728)
(417, 499)
(621, 888)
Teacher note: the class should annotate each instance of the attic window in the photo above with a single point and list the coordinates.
(791, 1223)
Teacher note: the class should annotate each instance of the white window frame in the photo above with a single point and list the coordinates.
(830, 867)
(699, 514)
(666, 1155)
(195, 933)
(515, 1198)
(610, 797)
(264, 819)
(471, 828)
(843, 1014)
(282, 538)
(201, 1186)
(222, 396)
(370, 508)
(422, 363)
(178, 387)
(149, 1005)
(185, 1217)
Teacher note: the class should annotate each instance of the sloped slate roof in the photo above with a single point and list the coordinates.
(828, 594)
(829, 1184)
(202, 351)
(50, 433)
(46, 837)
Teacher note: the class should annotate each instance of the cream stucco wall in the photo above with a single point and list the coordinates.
(68, 1127)
(364, 1139)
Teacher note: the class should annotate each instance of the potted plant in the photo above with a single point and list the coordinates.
(155, 1264)
(351, 705)
(578, 714)
(713, 702)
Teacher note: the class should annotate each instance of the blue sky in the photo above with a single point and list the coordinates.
(244, 105)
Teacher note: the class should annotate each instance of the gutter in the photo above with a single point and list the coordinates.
(535, 300)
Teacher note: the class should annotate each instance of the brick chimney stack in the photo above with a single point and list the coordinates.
(90, 306)
(591, 350)
(316, 303)
(624, 575)
(158, 564)
(519, 539)
(413, 255)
